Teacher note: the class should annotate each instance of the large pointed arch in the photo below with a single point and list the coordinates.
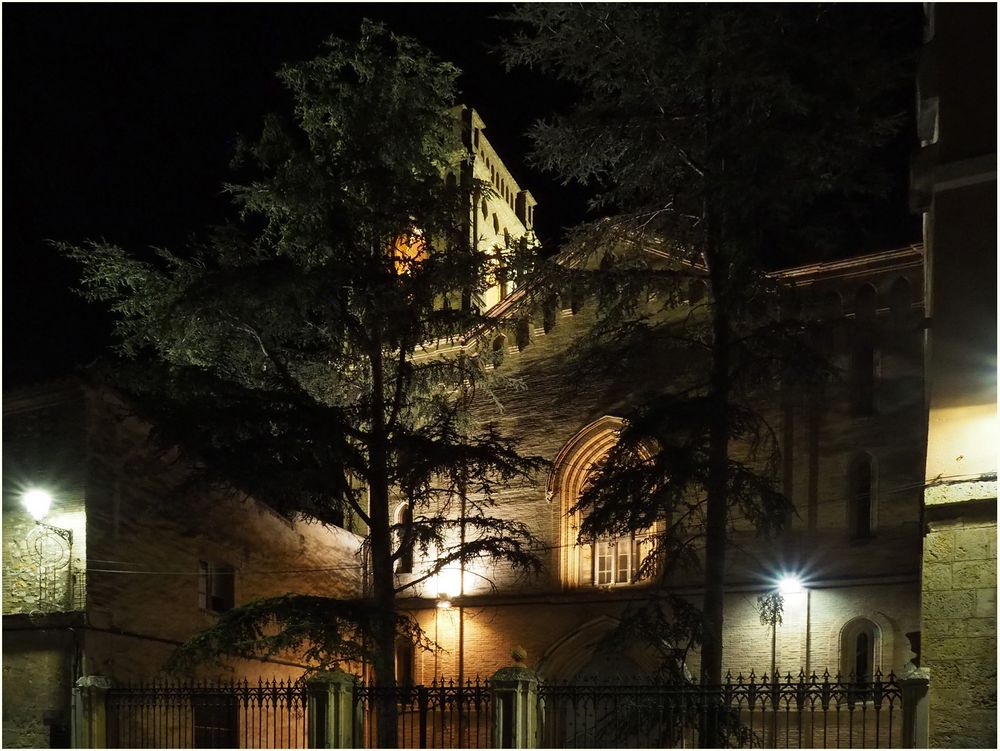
(569, 475)
(571, 471)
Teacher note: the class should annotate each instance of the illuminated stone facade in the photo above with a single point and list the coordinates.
(503, 214)
(954, 184)
(855, 583)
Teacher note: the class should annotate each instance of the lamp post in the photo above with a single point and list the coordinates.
(772, 607)
(38, 502)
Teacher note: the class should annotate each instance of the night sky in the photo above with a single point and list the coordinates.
(120, 121)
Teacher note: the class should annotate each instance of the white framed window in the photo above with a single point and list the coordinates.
(616, 561)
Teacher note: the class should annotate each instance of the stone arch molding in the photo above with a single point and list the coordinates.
(884, 645)
(567, 479)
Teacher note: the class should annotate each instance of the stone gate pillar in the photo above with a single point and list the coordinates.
(331, 710)
(916, 724)
(90, 725)
(514, 705)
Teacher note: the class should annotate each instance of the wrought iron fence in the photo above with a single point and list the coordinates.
(218, 714)
(444, 714)
(790, 712)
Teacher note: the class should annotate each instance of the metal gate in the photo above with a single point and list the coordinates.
(789, 712)
(444, 714)
(218, 714)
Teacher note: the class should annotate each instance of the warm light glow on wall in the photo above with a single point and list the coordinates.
(961, 443)
(407, 250)
(449, 583)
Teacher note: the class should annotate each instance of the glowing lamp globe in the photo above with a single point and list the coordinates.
(789, 585)
(449, 583)
(37, 503)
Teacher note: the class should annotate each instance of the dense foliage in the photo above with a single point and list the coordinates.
(284, 354)
(716, 140)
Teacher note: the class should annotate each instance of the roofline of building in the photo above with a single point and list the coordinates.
(883, 260)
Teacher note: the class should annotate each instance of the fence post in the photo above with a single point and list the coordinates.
(916, 717)
(514, 704)
(331, 709)
(90, 723)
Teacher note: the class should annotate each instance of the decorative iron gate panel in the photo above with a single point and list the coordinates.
(818, 712)
(444, 714)
(234, 714)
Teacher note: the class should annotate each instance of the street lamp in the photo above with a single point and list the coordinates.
(53, 547)
(789, 584)
(37, 503)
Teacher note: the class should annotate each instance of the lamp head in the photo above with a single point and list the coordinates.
(789, 584)
(37, 503)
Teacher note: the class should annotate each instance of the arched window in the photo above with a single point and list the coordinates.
(549, 312)
(499, 347)
(403, 520)
(860, 651)
(609, 561)
(697, 290)
(900, 300)
(865, 304)
(404, 662)
(523, 333)
(832, 306)
(864, 375)
(861, 497)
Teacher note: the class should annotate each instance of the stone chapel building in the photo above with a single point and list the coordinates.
(852, 463)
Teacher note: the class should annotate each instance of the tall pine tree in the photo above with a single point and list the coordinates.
(725, 138)
(283, 354)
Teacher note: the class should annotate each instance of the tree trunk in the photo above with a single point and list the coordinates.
(382, 576)
(716, 504)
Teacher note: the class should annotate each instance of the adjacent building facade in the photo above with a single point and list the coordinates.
(955, 186)
(129, 560)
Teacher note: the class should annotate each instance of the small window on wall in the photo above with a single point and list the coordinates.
(404, 662)
(865, 367)
(404, 518)
(499, 349)
(861, 497)
(216, 586)
(859, 651)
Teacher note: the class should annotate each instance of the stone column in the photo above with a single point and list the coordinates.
(916, 717)
(331, 710)
(90, 725)
(514, 706)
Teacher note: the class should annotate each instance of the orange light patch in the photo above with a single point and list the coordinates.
(407, 250)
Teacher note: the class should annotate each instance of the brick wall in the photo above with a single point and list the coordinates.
(875, 579)
(148, 531)
(139, 532)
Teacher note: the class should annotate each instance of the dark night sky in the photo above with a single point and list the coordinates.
(119, 123)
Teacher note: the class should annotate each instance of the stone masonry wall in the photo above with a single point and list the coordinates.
(959, 614)
(43, 566)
